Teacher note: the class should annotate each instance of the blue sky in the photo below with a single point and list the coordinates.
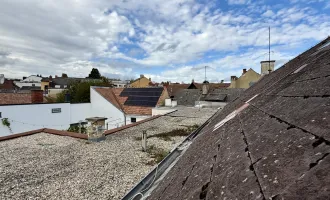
(165, 40)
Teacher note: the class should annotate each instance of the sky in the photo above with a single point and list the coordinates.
(170, 40)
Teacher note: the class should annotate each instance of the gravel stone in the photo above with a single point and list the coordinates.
(46, 166)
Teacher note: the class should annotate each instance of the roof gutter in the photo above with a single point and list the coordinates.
(144, 188)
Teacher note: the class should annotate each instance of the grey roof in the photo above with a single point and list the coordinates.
(30, 88)
(273, 142)
(45, 166)
(188, 97)
(223, 94)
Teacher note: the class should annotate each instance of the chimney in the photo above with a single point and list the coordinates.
(141, 76)
(222, 81)
(50, 78)
(205, 88)
(56, 76)
(267, 67)
(37, 96)
(244, 71)
(233, 81)
(149, 79)
(96, 128)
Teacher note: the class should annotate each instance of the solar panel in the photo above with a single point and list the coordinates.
(141, 96)
(141, 92)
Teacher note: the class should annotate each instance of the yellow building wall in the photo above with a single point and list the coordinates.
(141, 82)
(245, 80)
(43, 84)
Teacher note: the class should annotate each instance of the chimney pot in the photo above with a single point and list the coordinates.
(37, 96)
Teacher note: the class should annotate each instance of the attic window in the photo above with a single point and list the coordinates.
(300, 68)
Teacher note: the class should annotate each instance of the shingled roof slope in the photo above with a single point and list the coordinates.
(273, 142)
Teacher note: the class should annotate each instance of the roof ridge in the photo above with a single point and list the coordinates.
(116, 99)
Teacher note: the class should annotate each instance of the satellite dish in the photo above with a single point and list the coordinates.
(2, 78)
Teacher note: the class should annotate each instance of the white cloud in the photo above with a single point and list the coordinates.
(235, 2)
(121, 36)
(268, 13)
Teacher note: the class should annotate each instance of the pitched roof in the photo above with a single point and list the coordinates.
(8, 85)
(272, 142)
(174, 89)
(224, 94)
(113, 96)
(15, 98)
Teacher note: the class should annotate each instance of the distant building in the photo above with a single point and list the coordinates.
(174, 89)
(7, 85)
(32, 81)
(120, 84)
(135, 103)
(141, 82)
(248, 78)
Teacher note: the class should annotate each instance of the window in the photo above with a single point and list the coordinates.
(0, 115)
(33, 85)
(133, 119)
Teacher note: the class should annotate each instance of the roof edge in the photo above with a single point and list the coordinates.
(131, 125)
(45, 130)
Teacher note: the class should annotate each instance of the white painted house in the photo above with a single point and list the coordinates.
(105, 102)
(31, 81)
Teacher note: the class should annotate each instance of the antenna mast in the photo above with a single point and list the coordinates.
(205, 73)
(269, 50)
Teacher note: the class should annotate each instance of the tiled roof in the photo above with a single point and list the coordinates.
(15, 98)
(8, 85)
(273, 142)
(174, 89)
(113, 96)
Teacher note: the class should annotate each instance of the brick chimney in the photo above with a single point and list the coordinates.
(233, 81)
(37, 96)
(141, 76)
(244, 71)
(50, 78)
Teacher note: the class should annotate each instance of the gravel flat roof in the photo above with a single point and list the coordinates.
(46, 166)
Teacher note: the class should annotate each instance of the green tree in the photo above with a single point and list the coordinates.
(95, 74)
(79, 91)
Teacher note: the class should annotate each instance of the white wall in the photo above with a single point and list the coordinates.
(32, 78)
(80, 111)
(34, 116)
(103, 108)
(138, 118)
(19, 84)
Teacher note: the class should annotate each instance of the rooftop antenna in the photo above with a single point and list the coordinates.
(205, 73)
(269, 50)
